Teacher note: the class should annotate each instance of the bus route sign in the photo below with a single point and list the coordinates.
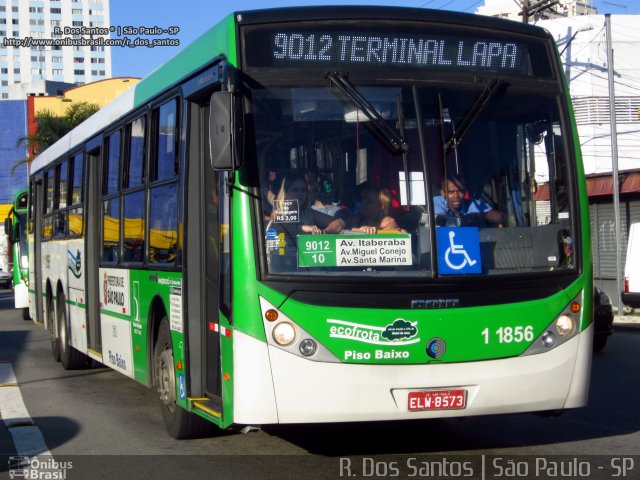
(347, 250)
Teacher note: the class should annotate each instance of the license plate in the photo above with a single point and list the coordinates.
(437, 400)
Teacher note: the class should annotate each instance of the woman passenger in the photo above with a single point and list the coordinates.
(374, 216)
(294, 187)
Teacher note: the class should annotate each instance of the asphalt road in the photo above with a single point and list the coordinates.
(108, 426)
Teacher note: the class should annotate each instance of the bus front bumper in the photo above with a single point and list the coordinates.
(273, 386)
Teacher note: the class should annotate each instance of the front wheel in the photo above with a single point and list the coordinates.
(599, 342)
(179, 423)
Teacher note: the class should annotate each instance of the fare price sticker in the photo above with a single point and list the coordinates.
(354, 250)
(286, 211)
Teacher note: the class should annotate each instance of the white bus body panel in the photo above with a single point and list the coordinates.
(307, 391)
(254, 397)
(21, 295)
(76, 295)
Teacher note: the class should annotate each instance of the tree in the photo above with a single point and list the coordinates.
(50, 128)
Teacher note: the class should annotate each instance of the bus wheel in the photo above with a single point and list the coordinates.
(70, 358)
(51, 325)
(25, 314)
(179, 422)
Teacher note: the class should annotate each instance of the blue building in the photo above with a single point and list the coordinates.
(13, 125)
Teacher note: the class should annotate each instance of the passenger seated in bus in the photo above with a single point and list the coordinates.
(453, 204)
(374, 215)
(325, 199)
(291, 207)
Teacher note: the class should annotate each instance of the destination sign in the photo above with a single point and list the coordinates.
(348, 250)
(350, 48)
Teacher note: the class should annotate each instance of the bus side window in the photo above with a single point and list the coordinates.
(163, 223)
(163, 185)
(75, 214)
(111, 200)
(164, 165)
(49, 189)
(60, 216)
(133, 227)
(133, 198)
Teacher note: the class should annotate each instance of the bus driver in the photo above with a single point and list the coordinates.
(452, 203)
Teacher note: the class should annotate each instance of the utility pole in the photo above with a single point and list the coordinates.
(614, 160)
(532, 8)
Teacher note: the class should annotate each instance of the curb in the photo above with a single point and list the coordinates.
(627, 320)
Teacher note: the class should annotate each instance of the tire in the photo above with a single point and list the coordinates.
(599, 342)
(70, 358)
(178, 422)
(25, 314)
(51, 325)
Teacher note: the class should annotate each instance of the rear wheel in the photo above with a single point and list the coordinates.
(51, 326)
(179, 422)
(25, 314)
(70, 358)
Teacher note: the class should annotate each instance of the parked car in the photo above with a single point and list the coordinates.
(602, 318)
(6, 279)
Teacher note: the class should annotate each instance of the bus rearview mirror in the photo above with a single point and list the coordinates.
(221, 131)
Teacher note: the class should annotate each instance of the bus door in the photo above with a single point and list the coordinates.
(92, 249)
(37, 210)
(203, 253)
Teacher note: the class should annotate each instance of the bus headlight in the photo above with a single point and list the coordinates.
(561, 330)
(548, 339)
(284, 334)
(308, 347)
(565, 325)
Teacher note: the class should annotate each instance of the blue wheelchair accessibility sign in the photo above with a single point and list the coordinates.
(458, 250)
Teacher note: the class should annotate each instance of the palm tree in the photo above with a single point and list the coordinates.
(50, 128)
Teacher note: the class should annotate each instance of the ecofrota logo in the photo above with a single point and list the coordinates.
(400, 331)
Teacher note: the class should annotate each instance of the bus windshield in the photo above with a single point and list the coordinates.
(403, 180)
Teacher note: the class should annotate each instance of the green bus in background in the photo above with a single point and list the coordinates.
(16, 231)
(326, 215)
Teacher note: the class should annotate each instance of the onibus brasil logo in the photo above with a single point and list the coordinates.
(38, 468)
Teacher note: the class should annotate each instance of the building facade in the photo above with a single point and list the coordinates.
(17, 120)
(49, 40)
(583, 45)
(581, 38)
(511, 10)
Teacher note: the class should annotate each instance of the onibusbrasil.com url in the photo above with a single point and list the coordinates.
(29, 42)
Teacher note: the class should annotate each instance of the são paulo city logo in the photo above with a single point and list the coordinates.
(400, 331)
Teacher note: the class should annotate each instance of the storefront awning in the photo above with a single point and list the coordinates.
(600, 185)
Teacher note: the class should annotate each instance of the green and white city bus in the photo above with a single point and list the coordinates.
(16, 230)
(176, 235)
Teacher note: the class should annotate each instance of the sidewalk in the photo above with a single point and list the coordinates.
(630, 320)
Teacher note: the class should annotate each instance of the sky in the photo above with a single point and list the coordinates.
(194, 17)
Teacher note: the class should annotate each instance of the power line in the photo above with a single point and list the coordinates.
(448, 3)
(472, 5)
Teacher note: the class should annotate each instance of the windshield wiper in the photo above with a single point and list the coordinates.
(456, 136)
(395, 141)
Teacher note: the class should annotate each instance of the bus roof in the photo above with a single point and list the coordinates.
(352, 12)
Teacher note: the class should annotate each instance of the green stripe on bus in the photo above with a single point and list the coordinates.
(217, 41)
